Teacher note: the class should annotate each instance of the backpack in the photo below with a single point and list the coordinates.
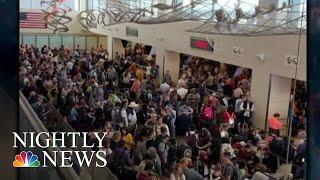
(153, 143)
(231, 119)
(245, 106)
(119, 163)
(234, 175)
(184, 151)
(172, 154)
(117, 115)
(136, 156)
(157, 142)
(192, 141)
(107, 111)
(208, 113)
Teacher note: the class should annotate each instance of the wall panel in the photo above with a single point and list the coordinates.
(92, 42)
(68, 41)
(42, 40)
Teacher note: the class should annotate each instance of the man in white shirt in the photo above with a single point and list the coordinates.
(246, 109)
(164, 87)
(182, 81)
(182, 92)
(238, 104)
(69, 65)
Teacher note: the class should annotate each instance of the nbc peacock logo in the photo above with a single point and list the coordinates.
(26, 159)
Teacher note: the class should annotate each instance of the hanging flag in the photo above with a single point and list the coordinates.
(32, 20)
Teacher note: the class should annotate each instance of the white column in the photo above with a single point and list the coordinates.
(172, 63)
(259, 94)
(160, 61)
(103, 40)
(109, 46)
(117, 47)
(279, 96)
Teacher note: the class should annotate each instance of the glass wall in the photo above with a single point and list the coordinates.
(81, 41)
(68, 41)
(145, 3)
(36, 4)
(70, 4)
(55, 41)
(294, 13)
(96, 4)
(102, 41)
(42, 40)
(92, 42)
(25, 4)
(29, 40)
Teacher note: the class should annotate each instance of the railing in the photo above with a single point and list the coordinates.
(29, 121)
(56, 123)
(64, 126)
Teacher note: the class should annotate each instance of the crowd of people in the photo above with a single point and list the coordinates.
(199, 127)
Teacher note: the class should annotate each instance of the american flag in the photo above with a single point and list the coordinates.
(32, 20)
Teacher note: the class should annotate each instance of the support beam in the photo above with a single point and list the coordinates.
(160, 61)
(259, 95)
(117, 47)
(280, 89)
(172, 63)
(110, 46)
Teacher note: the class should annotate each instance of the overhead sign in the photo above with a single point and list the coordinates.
(130, 31)
(202, 43)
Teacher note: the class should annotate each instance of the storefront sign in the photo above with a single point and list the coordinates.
(130, 31)
(201, 43)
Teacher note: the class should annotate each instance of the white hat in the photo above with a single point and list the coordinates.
(242, 143)
(133, 104)
(149, 58)
(223, 134)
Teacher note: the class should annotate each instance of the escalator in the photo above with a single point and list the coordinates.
(30, 122)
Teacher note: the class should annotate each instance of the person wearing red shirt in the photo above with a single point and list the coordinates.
(231, 83)
(275, 124)
(229, 117)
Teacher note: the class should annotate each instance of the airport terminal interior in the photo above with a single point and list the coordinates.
(182, 89)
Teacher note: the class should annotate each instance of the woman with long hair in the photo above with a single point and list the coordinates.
(177, 173)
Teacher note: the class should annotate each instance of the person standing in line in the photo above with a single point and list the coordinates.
(115, 116)
(177, 173)
(275, 124)
(210, 81)
(124, 114)
(228, 166)
(167, 77)
(247, 108)
(238, 92)
(237, 110)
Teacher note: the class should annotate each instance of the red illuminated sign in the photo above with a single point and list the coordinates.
(201, 43)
